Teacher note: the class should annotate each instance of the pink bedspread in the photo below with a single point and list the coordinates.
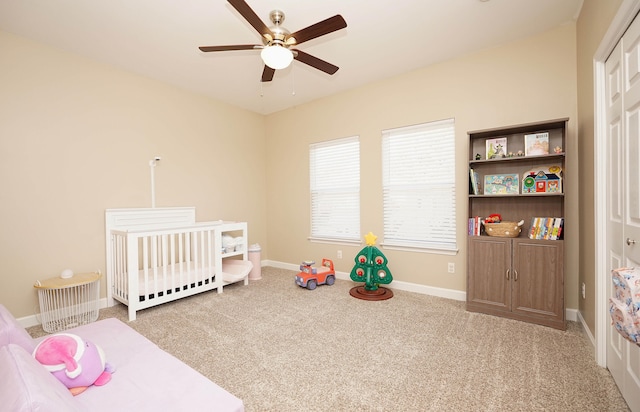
(146, 377)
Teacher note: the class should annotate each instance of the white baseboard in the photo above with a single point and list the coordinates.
(570, 314)
(34, 320)
(586, 330)
(396, 284)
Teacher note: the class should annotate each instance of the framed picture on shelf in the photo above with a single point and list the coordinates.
(496, 148)
(506, 184)
(536, 144)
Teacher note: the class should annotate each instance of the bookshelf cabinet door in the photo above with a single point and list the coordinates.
(488, 277)
(538, 288)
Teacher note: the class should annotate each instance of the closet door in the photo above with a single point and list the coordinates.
(623, 233)
(615, 173)
(631, 114)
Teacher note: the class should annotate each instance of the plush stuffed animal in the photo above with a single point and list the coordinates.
(76, 363)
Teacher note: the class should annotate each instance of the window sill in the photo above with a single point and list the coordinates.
(421, 249)
(335, 241)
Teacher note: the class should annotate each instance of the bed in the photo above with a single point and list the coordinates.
(159, 255)
(146, 377)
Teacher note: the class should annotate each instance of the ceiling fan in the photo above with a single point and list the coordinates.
(277, 50)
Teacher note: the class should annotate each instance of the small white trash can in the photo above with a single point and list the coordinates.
(254, 257)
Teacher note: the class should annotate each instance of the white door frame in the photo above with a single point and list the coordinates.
(622, 20)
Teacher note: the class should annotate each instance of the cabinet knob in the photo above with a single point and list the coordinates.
(507, 274)
(630, 242)
(515, 275)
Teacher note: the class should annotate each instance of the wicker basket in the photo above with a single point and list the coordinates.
(502, 229)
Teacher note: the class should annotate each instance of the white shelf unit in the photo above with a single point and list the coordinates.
(235, 264)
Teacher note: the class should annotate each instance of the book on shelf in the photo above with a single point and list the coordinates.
(536, 144)
(475, 226)
(534, 226)
(473, 181)
(496, 148)
(557, 228)
(505, 184)
(546, 228)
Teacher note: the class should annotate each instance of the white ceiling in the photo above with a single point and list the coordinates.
(159, 39)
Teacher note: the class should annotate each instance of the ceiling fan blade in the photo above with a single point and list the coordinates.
(314, 62)
(319, 29)
(228, 48)
(267, 73)
(251, 16)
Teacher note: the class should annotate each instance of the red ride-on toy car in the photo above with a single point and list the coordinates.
(310, 277)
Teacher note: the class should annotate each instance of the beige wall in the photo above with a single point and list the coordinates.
(530, 80)
(594, 20)
(76, 138)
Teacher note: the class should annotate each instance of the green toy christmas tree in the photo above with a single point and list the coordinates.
(371, 268)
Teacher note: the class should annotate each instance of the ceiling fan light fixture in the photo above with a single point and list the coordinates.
(277, 57)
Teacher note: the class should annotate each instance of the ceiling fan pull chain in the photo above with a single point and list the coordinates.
(293, 81)
(261, 89)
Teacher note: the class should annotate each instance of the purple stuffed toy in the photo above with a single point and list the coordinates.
(76, 363)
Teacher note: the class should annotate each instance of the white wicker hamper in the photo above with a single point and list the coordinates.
(70, 302)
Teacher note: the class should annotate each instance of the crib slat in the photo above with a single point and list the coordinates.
(145, 264)
(172, 259)
(210, 255)
(165, 262)
(180, 258)
(201, 260)
(132, 270)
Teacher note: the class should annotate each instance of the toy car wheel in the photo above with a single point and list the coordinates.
(311, 285)
(331, 280)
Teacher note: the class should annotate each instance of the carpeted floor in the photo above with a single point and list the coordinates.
(283, 348)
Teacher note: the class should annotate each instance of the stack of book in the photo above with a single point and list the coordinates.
(546, 228)
(475, 226)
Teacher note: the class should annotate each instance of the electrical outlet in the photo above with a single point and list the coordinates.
(584, 291)
(452, 267)
(339, 254)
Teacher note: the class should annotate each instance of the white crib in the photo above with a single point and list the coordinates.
(160, 255)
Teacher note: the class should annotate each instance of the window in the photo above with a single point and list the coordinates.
(334, 169)
(418, 169)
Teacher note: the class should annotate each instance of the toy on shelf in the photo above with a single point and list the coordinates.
(547, 180)
(371, 268)
(310, 277)
(494, 218)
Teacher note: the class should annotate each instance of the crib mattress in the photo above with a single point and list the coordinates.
(178, 277)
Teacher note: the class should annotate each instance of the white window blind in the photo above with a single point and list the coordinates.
(418, 169)
(335, 189)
